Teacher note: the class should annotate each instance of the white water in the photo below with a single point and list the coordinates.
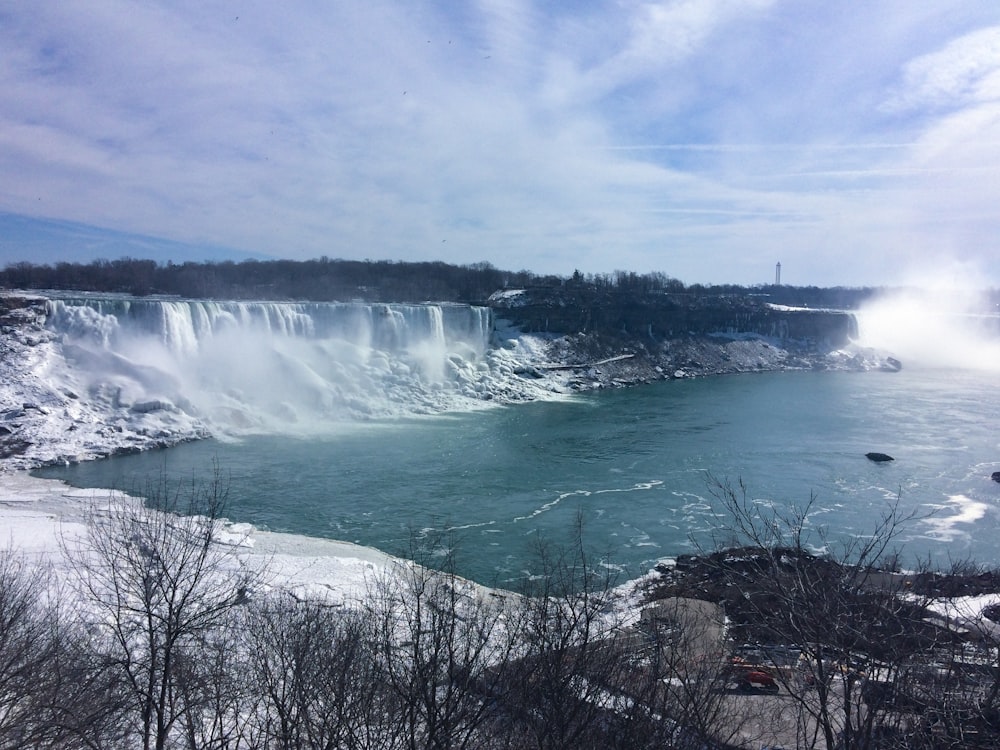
(934, 328)
(259, 366)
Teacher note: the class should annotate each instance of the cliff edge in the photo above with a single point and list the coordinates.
(609, 338)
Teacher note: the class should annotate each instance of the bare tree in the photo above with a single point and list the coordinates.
(214, 698)
(444, 648)
(157, 582)
(26, 647)
(844, 617)
(313, 668)
(51, 695)
(951, 690)
(558, 694)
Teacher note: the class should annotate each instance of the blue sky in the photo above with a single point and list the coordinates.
(857, 143)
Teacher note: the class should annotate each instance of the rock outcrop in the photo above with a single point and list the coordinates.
(674, 336)
(879, 458)
(670, 316)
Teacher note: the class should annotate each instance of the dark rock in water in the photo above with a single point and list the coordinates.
(995, 476)
(879, 457)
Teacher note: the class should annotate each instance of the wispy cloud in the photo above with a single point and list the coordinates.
(704, 138)
(966, 70)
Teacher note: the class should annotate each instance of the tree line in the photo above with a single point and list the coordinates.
(326, 279)
(161, 634)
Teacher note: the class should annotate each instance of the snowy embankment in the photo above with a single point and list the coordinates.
(40, 517)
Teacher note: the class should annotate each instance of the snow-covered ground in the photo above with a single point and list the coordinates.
(40, 517)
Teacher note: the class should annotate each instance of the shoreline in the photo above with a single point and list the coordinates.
(38, 514)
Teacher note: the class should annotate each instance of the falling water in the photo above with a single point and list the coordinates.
(272, 366)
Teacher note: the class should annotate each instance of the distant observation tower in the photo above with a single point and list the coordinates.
(777, 274)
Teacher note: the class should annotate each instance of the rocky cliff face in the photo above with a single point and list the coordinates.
(614, 339)
(671, 316)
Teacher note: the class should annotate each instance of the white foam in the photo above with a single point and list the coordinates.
(245, 366)
(964, 510)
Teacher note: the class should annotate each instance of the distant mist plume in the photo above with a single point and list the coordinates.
(934, 328)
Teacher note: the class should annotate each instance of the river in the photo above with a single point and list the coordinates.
(634, 465)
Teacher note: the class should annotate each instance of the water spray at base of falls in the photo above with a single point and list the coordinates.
(928, 328)
(252, 366)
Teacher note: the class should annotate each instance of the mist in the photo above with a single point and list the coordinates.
(274, 367)
(940, 328)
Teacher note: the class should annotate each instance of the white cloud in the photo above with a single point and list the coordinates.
(649, 38)
(667, 32)
(964, 71)
(495, 130)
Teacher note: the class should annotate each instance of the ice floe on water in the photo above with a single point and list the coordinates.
(948, 519)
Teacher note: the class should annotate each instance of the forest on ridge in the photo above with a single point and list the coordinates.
(324, 279)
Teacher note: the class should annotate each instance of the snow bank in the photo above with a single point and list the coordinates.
(37, 516)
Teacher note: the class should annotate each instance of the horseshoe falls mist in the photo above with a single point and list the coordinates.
(935, 328)
(367, 423)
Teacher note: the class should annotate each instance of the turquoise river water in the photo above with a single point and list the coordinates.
(633, 464)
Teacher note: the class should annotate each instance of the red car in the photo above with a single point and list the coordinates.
(748, 676)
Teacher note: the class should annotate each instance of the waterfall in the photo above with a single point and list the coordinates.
(251, 364)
